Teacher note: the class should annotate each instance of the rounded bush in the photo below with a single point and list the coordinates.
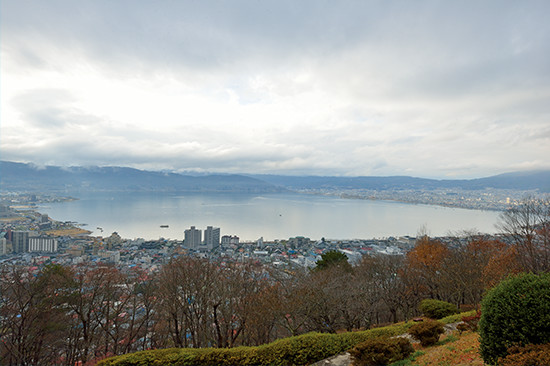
(381, 351)
(436, 309)
(427, 332)
(515, 313)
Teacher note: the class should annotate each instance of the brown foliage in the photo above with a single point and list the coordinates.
(529, 355)
(425, 262)
(427, 332)
(381, 351)
(501, 265)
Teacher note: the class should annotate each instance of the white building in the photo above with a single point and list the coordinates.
(230, 240)
(212, 237)
(42, 245)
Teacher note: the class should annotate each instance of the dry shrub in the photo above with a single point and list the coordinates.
(381, 351)
(530, 355)
(427, 332)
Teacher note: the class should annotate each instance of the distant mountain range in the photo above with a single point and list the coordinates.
(28, 177)
(529, 180)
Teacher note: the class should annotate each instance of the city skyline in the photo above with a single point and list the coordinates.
(426, 89)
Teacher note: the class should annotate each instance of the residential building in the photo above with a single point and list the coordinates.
(20, 241)
(212, 237)
(230, 240)
(42, 245)
(298, 242)
(192, 238)
(3, 246)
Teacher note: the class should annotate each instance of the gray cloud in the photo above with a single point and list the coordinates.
(425, 88)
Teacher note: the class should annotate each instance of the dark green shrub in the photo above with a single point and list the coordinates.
(530, 355)
(515, 313)
(427, 332)
(381, 351)
(437, 309)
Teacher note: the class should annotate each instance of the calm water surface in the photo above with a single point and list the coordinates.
(272, 216)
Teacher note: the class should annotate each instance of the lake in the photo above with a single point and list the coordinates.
(271, 216)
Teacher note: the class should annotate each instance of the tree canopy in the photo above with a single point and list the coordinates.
(332, 258)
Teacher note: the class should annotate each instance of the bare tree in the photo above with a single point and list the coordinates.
(187, 288)
(462, 272)
(528, 228)
(32, 318)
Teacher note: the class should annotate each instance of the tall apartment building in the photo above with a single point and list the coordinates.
(20, 241)
(42, 245)
(212, 237)
(3, 246)
(192, 238)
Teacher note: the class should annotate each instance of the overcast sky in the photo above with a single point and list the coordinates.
(444, 89)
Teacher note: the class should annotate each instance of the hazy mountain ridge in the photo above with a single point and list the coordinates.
(20, 176)
(530, 180)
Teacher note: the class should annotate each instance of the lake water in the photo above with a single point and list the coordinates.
(271, 216)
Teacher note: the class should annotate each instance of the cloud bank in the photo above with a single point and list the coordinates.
(427, 88)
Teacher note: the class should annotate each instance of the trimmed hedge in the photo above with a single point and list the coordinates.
(515, 313)
(304, 349)
(456, 317)
(437, 309)
(300, 350)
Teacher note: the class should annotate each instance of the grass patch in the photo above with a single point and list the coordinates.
(448, 339)
(463, 351)
(405, 362)
(409, 361)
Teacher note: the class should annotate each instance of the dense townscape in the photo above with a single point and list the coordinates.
(486, 199)
(68, 243)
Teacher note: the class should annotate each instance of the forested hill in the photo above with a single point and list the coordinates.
(530, 180)
(25, 177)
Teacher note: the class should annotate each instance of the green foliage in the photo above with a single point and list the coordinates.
(417, 354)
(437, 309)
(515, 312)
(449, 339)
(456, 317)
(381, 351)
(304, 349)
(530, 355)
(427, 332)
(332, 258)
